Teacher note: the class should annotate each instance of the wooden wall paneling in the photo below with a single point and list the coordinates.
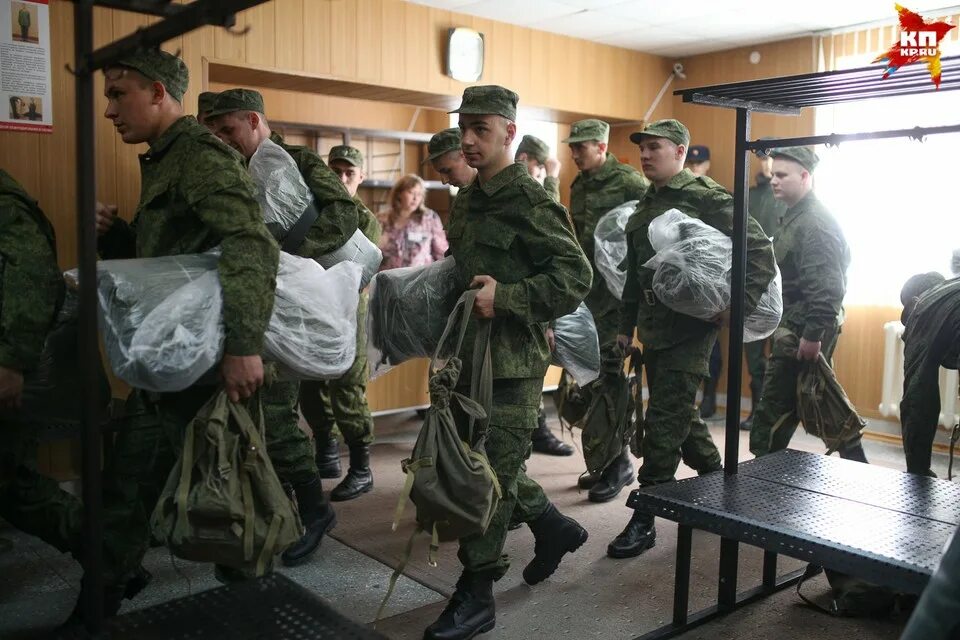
(588, 95)
(370, 36)
(260, 40)
(60, 203)
(555, 68)
(416, 44)
(521, 60)
(288, 33)
(393, 67)
(403, 386)
(317, 38)
(197, 45)
(539, 68)
(343, 38)
(500, 46)
(440, 22)
(228, 45)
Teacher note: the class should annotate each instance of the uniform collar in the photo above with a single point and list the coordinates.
(806, 203)
(512, 173)
(276, 138)
(679, 181)
(604, 170)
(166, 139)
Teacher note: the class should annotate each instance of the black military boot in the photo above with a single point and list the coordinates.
(709, 405)
(638, 536)
(615, 477)
(588, 480)
(545, 442)
(328, 458)
(359, 478)
(318, 518)
(555, 535)
(756, 386)
(113, 596)
(469, 613)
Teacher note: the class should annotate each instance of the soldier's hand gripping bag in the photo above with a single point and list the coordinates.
(408, 311)
(571, 401)
(610, 246)
(692, 273)
(608, 425)
(577, 348)
(449, 478)
(223, 501)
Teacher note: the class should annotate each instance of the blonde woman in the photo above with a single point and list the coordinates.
(413, 235)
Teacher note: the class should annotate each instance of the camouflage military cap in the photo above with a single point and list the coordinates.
(804, 156)
(673, 130)
(535, 148)
(588, 130)
(444, 142)
(347, 154)
(698, 153)
(489, 99)
(205, 101)
(159, 66)
(233, 100)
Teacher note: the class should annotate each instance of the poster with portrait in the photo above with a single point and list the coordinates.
(26, 98)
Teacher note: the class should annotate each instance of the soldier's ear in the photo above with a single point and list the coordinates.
(511, 132)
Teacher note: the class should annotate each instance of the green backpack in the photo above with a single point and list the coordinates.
(448, 477)
(609, 424)
(223, 502)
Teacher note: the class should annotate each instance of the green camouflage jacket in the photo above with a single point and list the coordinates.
(338, 219)
(510, 229)
(552, 187)
(369, 224)
(658, 326)
(196, 194)
(591, 196)
(31, 286)
(813, 257)
(766, 209)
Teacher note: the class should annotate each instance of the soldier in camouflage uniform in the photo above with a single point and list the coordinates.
(534, 154)
(766, 210)
(205, 103)
(511, 240)
(446, 157)
(195, 195)
(342, 403)
(31, 290)
(931, 315)
(813, 257)
(603, 183)
(237, 118)
(676, 347)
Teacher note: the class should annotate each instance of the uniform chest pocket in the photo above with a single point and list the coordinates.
(158, 197)
(490, 237)
(495, 253)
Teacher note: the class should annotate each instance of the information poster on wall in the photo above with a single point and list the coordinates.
(26, 98)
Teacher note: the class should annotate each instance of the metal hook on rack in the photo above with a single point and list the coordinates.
(918, 135)
(232, 30)
(832, 143)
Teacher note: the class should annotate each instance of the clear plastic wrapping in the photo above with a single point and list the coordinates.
(281, 191)
(162, 319)
(577, 348)
(692, 273)
(610, 246)
(408, 311)
(357, 249)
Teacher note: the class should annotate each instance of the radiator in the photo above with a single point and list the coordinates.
(893, 379)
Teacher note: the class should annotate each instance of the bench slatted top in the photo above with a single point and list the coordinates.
(882, 525)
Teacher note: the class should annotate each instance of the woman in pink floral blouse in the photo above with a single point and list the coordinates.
(413, 235)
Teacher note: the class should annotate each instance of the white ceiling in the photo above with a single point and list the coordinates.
(678, 28)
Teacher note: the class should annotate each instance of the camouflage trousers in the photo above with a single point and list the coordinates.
(672, 428)
(288, 446)
(341, 404)
(508, 445)
(756, 356)
(31, 501)
(775, 420)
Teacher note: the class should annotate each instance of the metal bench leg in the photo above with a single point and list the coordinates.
(769, 571)
(681, 581)
(727, 589)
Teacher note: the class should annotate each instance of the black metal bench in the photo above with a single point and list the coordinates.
(271, 607)
(881, 525)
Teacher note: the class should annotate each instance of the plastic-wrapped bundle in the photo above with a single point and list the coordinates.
(577, 349)
(408, 311)
(610, 246)
(281, 191)
(357, 249)
(693, 264)
(162, 319)
(313, 330)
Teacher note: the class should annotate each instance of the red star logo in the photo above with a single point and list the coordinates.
(899, 55)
